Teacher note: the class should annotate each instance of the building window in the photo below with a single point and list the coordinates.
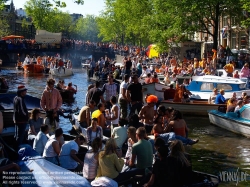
(224, 22)
(243, 40)
(233, 21)
(233, 44)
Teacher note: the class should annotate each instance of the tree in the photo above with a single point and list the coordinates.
(173, 20)
(111, 25)
(125, 21)
(44, 16)
(2, 4)
(4, 28)
(246, 12)
(38, 10)
(86, 28)
(61, 22)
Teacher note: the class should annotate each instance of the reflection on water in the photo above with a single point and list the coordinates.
(218, 150)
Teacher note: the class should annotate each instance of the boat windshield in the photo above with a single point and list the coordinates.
(207, 86)
(242, 86)
(246, 114)
(224, 86)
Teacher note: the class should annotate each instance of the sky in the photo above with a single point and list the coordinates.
(90, 6)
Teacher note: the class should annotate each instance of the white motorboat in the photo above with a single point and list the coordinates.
(202, 86)
(85, 65)
(235, 122)
(61, 72)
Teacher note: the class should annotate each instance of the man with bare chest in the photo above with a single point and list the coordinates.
(147, 113)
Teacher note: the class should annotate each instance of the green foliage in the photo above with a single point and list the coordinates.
(58, 21)
(2, 2)
(125, 21)
(4, 28)
(38, 10)
(44, 16)
(86, 28)
(173, 20)
(246, 8)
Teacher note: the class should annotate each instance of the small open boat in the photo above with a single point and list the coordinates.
(6, 107)
(235, 122)
(33, 68)
(61, 72)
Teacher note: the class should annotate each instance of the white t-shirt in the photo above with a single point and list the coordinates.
(120, 135)
(123, 85)
(145, 72)
(116, 121)
(66, 160)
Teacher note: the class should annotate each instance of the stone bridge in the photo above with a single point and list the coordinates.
(10, 57)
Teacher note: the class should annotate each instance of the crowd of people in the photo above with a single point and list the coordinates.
(118, 114)
(103, 117)
(233, 104)
(74, 44)
(47, 61)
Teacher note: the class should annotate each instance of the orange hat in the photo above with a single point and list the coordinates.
(152, 99)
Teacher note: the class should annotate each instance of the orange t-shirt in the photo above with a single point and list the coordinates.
(175, 70)
(147, 80)
(178, 95)
(154, 80)
(157, 70)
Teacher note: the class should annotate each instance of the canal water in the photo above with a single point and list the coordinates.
(218, 152)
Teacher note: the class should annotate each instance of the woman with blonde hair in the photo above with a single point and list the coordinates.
(179, 168)
(110, 163)
(212, 97)
(91, 160)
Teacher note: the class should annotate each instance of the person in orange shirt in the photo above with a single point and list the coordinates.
(175, 70)
(184, 59)
(236, 74)
(138, 51)
(178, 94)
(229, 69)
(157, 70)
(154, 79)
(163, 66)
(179, 69)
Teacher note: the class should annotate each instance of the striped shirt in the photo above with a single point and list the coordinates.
(110, 90)
(90, 165)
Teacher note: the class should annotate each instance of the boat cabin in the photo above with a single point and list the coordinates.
(208, 83)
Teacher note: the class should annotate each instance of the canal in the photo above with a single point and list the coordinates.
(218, 151)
